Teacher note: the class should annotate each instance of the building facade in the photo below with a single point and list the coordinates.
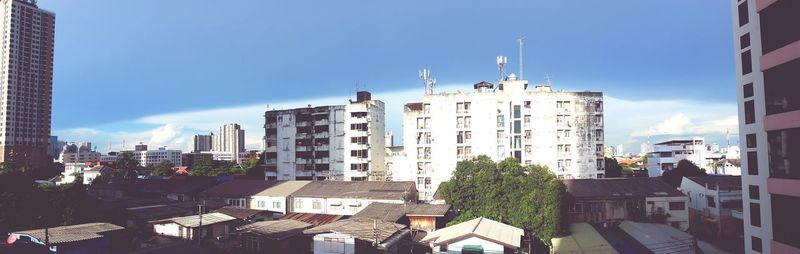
(26, 82)
(203, 143)
(342, 142)
(560, 130)
(666, 155)
(230, 139)
(72, 153)
(767, 55)
(153, 157)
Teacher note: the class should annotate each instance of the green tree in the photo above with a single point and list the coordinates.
(208, 167)
(613, 169)
(163, 168)
(528, 197)
(685, 168)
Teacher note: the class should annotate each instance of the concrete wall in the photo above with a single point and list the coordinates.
(488, 247)
(334, 244)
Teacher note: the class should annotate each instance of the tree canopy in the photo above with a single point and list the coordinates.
(208, 167)
(529, 197)
(163, 168)
(685, 168)
(613, 169)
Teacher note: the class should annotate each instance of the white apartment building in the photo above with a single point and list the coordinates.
(26, 82)
(342, 142)
(72, 153)
(557, 129)
(666, 155)
(397, 167)
(152, 157)
(230, 139)
(766, 45)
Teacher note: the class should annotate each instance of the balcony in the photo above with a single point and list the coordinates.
(271, 149)
(321, 135)
(272, 125)
(321, 148)
(321, 122)
(303, 124)
(737, 214)
(271, 162)
(303, 148)
(322, 161)
(302, 161)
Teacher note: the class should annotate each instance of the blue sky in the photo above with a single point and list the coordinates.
(138, 70)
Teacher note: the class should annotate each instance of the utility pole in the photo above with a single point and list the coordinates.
(375, 232)
(200, 225)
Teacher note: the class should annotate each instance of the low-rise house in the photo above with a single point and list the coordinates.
(729, 167)
(72, 171)
(276, 198)
(279, 236)
(89, 238)
(238, 193)
(479, 235)
(313, 218)
(178, 188)
(204, 226)
(245, 215)
(349, 198)
(360, 235)
(712, 201)
(639, 199)
(426, 217)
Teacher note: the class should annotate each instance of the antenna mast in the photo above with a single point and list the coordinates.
(430, 82)
(519, 40)
(501, 66)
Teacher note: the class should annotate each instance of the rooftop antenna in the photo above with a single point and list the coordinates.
(430, 82)
(728, 137)
(519, 40)
(501, 66)
(547, 80)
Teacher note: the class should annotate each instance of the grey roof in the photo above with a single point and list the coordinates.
(612, 188)
(194, 221)
(239, 188)
(282, 189)
(725, 182)
(240, 213)
(276, 229)
(72, 233)
(394, 212)
(366, 190)
(360, 228)
(480, 227)
(735, 162)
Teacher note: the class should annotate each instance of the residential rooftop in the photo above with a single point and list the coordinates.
(72, 233)
(276, 229)
(283, 189)
(239, 188)
(620, 188)
(480, 227)
(360, 228)
(395, 212)
(194, 221)
(724, 182)
(378, 190)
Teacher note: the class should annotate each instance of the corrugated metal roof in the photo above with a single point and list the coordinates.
(583, 239)
(283, 189)
(72, 233)
(394, 212)
(367, 190)
(360, 228)
(239, 188)
(483, 228)
(313, 218)
(194, 221)
(240, 213)
(620, 188)
(276, 229)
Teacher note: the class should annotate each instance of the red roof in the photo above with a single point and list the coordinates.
(313, 218)
(239, 188)
(181, 170)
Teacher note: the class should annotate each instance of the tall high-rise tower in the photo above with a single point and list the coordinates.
(26, 82)
(230, 140)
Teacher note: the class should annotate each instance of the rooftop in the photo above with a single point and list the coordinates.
(240, 213)
(365, 190)
(283, 189)
(72, 233)
(276, 229)
(723, 181)
(394, 212)
(193, 221)
(620, 188)
(480, 227)
(360, 228)
(583, 239)
(313, 218)
(239, 188)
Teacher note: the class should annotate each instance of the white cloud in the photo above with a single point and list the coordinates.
(627, 121)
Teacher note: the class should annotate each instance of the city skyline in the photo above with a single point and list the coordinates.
(674, 47)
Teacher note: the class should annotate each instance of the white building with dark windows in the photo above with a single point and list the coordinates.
(72, 153)
(202, 143)
(557, 129)
(230, 139)
(341, 142)
(666, 155)
(152, 157)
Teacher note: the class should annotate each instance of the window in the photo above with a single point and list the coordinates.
(677, 206)
(752, 163)
(784, 153)
(598, 106)
(298, 204)
(743, 15)
(710, 202)
(598, 135)
(517, 127)
(276, 205)
(744, 41)
(426, 108)
(527, 121)
(747, 62)
(359, 126)
(751, 140)
(316, 204)
(501, 121)
(748, 90)
(785, 210)
(749, 112)
(754, 192)
(755, 214)
(517, 111)
(756, 243)
(467, 122)
(501, 136)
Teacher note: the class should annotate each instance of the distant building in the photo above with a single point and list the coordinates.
(729, 167)
(72, 171)
(230, 139)
(715, 209)
(203, 143)
(26, 82)
(640, 199)
(644, 148)
(72, 153)
(767, 61)
(389, 137)
(340, 142)
(153, 157)
(666, 155)
(189, 159)
(557, 129)
(140, 147)
(54, 147)
(619, 151)
(397, 165)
